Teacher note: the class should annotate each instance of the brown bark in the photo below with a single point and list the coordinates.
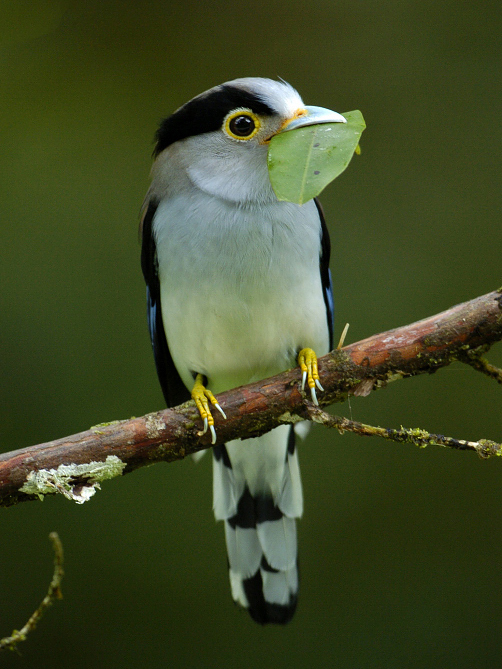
(460, 333)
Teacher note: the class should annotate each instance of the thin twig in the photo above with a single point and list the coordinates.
(484, 447)
(482, 365)
(53, 593)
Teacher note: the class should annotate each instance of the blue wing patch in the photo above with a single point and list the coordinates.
(172, 386)
(327, 286)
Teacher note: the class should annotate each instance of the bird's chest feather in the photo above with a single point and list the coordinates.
(240, 286)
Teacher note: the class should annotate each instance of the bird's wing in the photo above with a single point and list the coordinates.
(327, 286)
(173, 387)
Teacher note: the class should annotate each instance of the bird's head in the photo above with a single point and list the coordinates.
(218, 141)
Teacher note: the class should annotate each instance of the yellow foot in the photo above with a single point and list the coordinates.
(307, 360)
(202, 396)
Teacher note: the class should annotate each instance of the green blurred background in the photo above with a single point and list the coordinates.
(400, 548)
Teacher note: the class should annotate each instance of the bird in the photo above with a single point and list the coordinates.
(238, 289)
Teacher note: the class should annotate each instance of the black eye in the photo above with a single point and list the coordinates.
(242, 126)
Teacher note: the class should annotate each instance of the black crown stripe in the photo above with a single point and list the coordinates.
(205, 113)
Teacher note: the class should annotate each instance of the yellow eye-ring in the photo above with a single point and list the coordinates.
(242, 124)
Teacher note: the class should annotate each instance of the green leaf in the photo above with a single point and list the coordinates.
(302, 162)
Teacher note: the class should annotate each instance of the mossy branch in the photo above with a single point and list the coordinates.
(75, 465)
(54, 592)
(475, 359)
(421, 438)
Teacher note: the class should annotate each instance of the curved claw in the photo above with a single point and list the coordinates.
(220, 410)
(307, 360)
(202, 396)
